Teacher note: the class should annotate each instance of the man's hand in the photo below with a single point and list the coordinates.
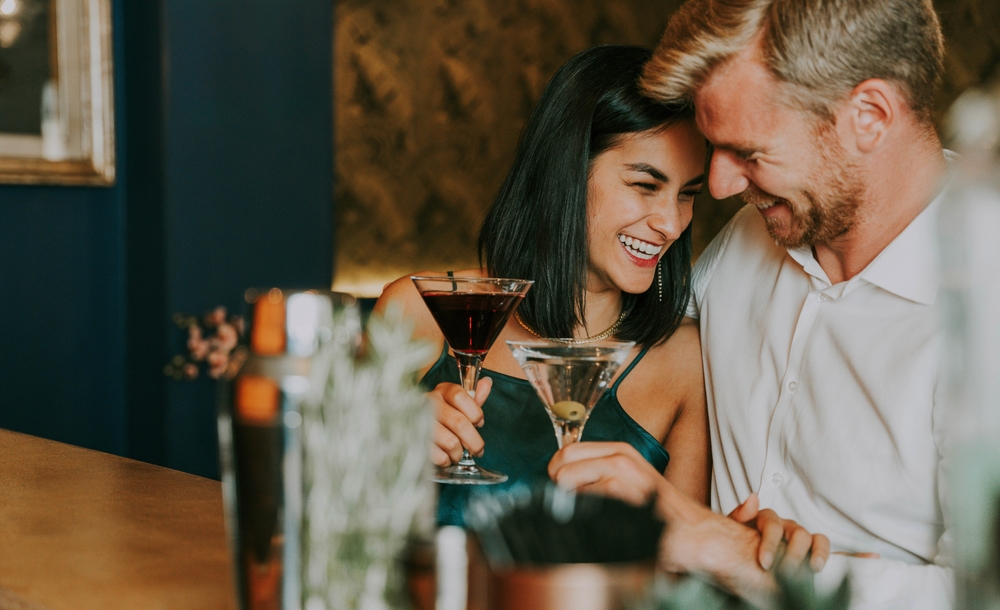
(774, 530)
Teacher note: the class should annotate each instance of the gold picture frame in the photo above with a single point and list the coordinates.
(76, 143)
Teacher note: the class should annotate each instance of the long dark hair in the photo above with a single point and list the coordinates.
(537, 226)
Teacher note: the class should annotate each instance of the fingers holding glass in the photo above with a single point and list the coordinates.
(610, 469)
(456, 417)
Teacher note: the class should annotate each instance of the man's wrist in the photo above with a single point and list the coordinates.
(753, 585)
(737, 572)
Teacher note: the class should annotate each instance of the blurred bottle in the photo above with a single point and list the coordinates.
(260, 422)
(970, 254)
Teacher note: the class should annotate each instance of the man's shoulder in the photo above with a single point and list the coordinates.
(746, 229)
(743, 240)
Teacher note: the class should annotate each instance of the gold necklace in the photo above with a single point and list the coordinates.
(598, 337)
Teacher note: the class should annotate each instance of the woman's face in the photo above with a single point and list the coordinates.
(640, 196)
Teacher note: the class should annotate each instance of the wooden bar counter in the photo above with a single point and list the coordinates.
(84, 530)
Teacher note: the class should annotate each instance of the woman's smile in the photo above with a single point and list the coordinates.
(644, 254)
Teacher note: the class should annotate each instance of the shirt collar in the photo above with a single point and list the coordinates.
(908, 267)
(804, 256)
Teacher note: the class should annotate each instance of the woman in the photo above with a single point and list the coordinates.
(596, 210)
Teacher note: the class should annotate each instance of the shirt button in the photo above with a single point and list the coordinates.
(792, 386)
(776, 478)
(823, 298)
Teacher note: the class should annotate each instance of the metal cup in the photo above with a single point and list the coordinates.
(259, 420)
(580, 586)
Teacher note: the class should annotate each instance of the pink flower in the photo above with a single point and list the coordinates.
(227, 337)
(198, 348)
(212, 339)
(215, 317)
(217, 362)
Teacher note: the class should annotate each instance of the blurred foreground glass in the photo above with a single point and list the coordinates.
(260, 443)
(970, 254)
(471, 312)
(548, 548)
(570, 379)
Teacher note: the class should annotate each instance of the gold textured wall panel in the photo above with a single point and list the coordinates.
(431, 96)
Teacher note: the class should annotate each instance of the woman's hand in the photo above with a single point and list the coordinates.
(774, 530)
(457, 416)
(611, 469)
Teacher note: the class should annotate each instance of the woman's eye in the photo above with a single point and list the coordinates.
(691, 194)
(646, 186)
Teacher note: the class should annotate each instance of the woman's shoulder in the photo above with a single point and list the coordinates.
(678, 359)
(403, 293)
(683, 346)
(400, 289)
(665, 382)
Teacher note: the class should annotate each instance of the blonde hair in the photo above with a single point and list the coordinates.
(821, 48)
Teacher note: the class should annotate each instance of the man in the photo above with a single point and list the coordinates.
(817, 302)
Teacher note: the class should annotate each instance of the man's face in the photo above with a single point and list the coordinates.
(788, 163)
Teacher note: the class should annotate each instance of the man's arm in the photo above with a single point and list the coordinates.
(695, 540)
(699, 541)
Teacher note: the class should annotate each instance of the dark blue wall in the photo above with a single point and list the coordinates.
(225, 172)
(61, 336)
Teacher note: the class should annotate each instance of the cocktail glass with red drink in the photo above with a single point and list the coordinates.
(471, 312)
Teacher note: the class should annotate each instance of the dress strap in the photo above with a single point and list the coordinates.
(614, 388)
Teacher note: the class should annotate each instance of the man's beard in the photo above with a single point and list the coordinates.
(822, 214)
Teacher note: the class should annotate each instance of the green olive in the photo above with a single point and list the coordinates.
(569, 410)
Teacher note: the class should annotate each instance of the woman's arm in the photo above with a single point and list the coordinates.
(403, 293)
(687, 442)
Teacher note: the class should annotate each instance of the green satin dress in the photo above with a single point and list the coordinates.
(519, 437)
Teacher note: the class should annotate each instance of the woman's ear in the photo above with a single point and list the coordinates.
(869, 113)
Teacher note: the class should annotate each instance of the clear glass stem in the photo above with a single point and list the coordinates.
(469, 368)
(567, 433)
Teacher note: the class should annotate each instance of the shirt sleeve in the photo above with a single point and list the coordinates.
(884, 584)
(701, 275)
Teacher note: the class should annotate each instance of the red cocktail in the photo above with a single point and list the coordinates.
(470, 312)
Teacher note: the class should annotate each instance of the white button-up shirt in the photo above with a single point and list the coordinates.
(824, 399)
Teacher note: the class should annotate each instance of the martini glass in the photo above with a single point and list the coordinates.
(570, 379)
(471, 312)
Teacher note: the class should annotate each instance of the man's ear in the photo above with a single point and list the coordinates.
(869, 113)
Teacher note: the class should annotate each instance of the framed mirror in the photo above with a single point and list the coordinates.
(56, 92)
